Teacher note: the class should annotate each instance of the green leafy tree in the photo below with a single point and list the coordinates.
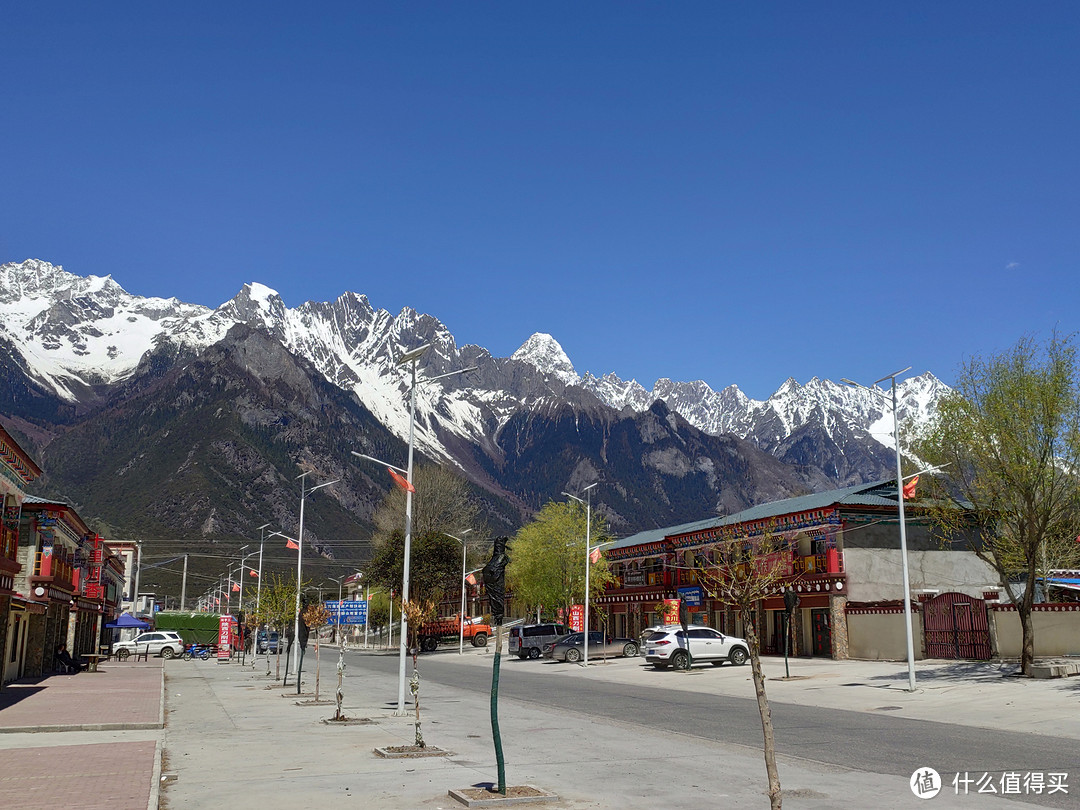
(379, 611)
(277, 607)
(434, 569)
(547, 567)
(1009, 434)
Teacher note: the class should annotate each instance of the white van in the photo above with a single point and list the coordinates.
(528, 640)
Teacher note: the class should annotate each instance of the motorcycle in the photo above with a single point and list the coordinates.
(201, 651)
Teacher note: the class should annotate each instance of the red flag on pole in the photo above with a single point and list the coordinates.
(909, 488)
(291, 545)
(402, 481)
(253, 573)
(235, 587)
(594, 556)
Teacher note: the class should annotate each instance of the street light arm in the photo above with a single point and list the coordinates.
(380, 461)
(320, 486)
(449, 374)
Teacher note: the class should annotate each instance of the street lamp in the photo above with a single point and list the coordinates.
(588, 551)
(461, 616)
(258, 585)
(903, 529)
(410, 358)
(240, 599)
(339, 580)
(304, 492)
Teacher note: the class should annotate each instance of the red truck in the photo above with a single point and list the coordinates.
(450, 628)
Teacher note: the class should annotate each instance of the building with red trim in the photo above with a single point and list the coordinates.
(17, 470)
(842, 549)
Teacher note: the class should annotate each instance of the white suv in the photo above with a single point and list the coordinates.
(165, 643)
(670, 645)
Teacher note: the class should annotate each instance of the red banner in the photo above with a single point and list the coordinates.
(225, 625)
(577, 618)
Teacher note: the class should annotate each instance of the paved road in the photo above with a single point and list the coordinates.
(872, 742)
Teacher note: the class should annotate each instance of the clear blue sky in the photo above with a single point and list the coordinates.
(731, 191)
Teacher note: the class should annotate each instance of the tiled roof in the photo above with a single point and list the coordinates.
(858, 495)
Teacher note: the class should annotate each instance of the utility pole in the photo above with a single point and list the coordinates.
(138, 571)
(183, 586)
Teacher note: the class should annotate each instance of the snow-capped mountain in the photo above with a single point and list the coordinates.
(73, 336)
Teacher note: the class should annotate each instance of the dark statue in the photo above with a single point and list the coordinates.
(495, 579)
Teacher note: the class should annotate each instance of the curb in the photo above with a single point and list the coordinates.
(81, 727)
(155, 780)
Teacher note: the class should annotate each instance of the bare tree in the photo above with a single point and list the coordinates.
(417, 612)
(749, 568)
(316, 617)
(442, 503)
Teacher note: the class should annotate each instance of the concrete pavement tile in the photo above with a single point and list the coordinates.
(112, 776)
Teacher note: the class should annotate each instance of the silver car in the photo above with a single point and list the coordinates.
(572, 648)
(165, 643)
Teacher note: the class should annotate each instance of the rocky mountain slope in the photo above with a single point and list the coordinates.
(113, 388)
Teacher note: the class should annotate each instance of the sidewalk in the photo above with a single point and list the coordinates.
(235, 738)
(89, 741)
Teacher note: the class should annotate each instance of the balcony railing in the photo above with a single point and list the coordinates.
(48, 566)
(831, 562)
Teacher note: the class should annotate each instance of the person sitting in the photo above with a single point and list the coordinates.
(66, 662)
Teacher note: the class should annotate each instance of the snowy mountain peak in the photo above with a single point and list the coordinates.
(544, 353)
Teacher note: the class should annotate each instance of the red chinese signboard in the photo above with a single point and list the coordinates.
(577, 618)
(225, 626)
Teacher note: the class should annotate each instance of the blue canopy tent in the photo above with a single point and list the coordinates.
(127, 622)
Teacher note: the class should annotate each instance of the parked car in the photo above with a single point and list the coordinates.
(648, 631)
(165, 643)
(572, 647)
(528, 641)
(673, 646)
(268, 642)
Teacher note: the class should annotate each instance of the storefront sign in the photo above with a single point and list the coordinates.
(577, 618)
(225, 625)
(691, 596)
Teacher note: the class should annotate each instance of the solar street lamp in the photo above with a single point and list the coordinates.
(461, 615)
(900, 500)
(408, 358)
(588, 561)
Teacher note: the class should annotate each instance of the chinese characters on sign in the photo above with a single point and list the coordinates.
(1013, 783)
(577, 618)
(926, 783)
(351, 612)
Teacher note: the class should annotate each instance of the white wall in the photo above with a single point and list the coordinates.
(876, 574)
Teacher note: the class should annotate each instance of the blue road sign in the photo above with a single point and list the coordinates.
(351, 612)
(691, 596)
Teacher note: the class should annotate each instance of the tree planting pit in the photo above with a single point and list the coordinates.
(490, 797)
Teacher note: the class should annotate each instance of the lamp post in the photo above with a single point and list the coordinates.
(408, 358)
(304, 492)
(240, 598)
(903, 529)
(461, 615)
(588, 552)
(337, 626)
(258, 585)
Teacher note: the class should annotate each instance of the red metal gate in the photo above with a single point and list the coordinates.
(955, 626)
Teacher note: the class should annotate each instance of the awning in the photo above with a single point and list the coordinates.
(126, 620)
